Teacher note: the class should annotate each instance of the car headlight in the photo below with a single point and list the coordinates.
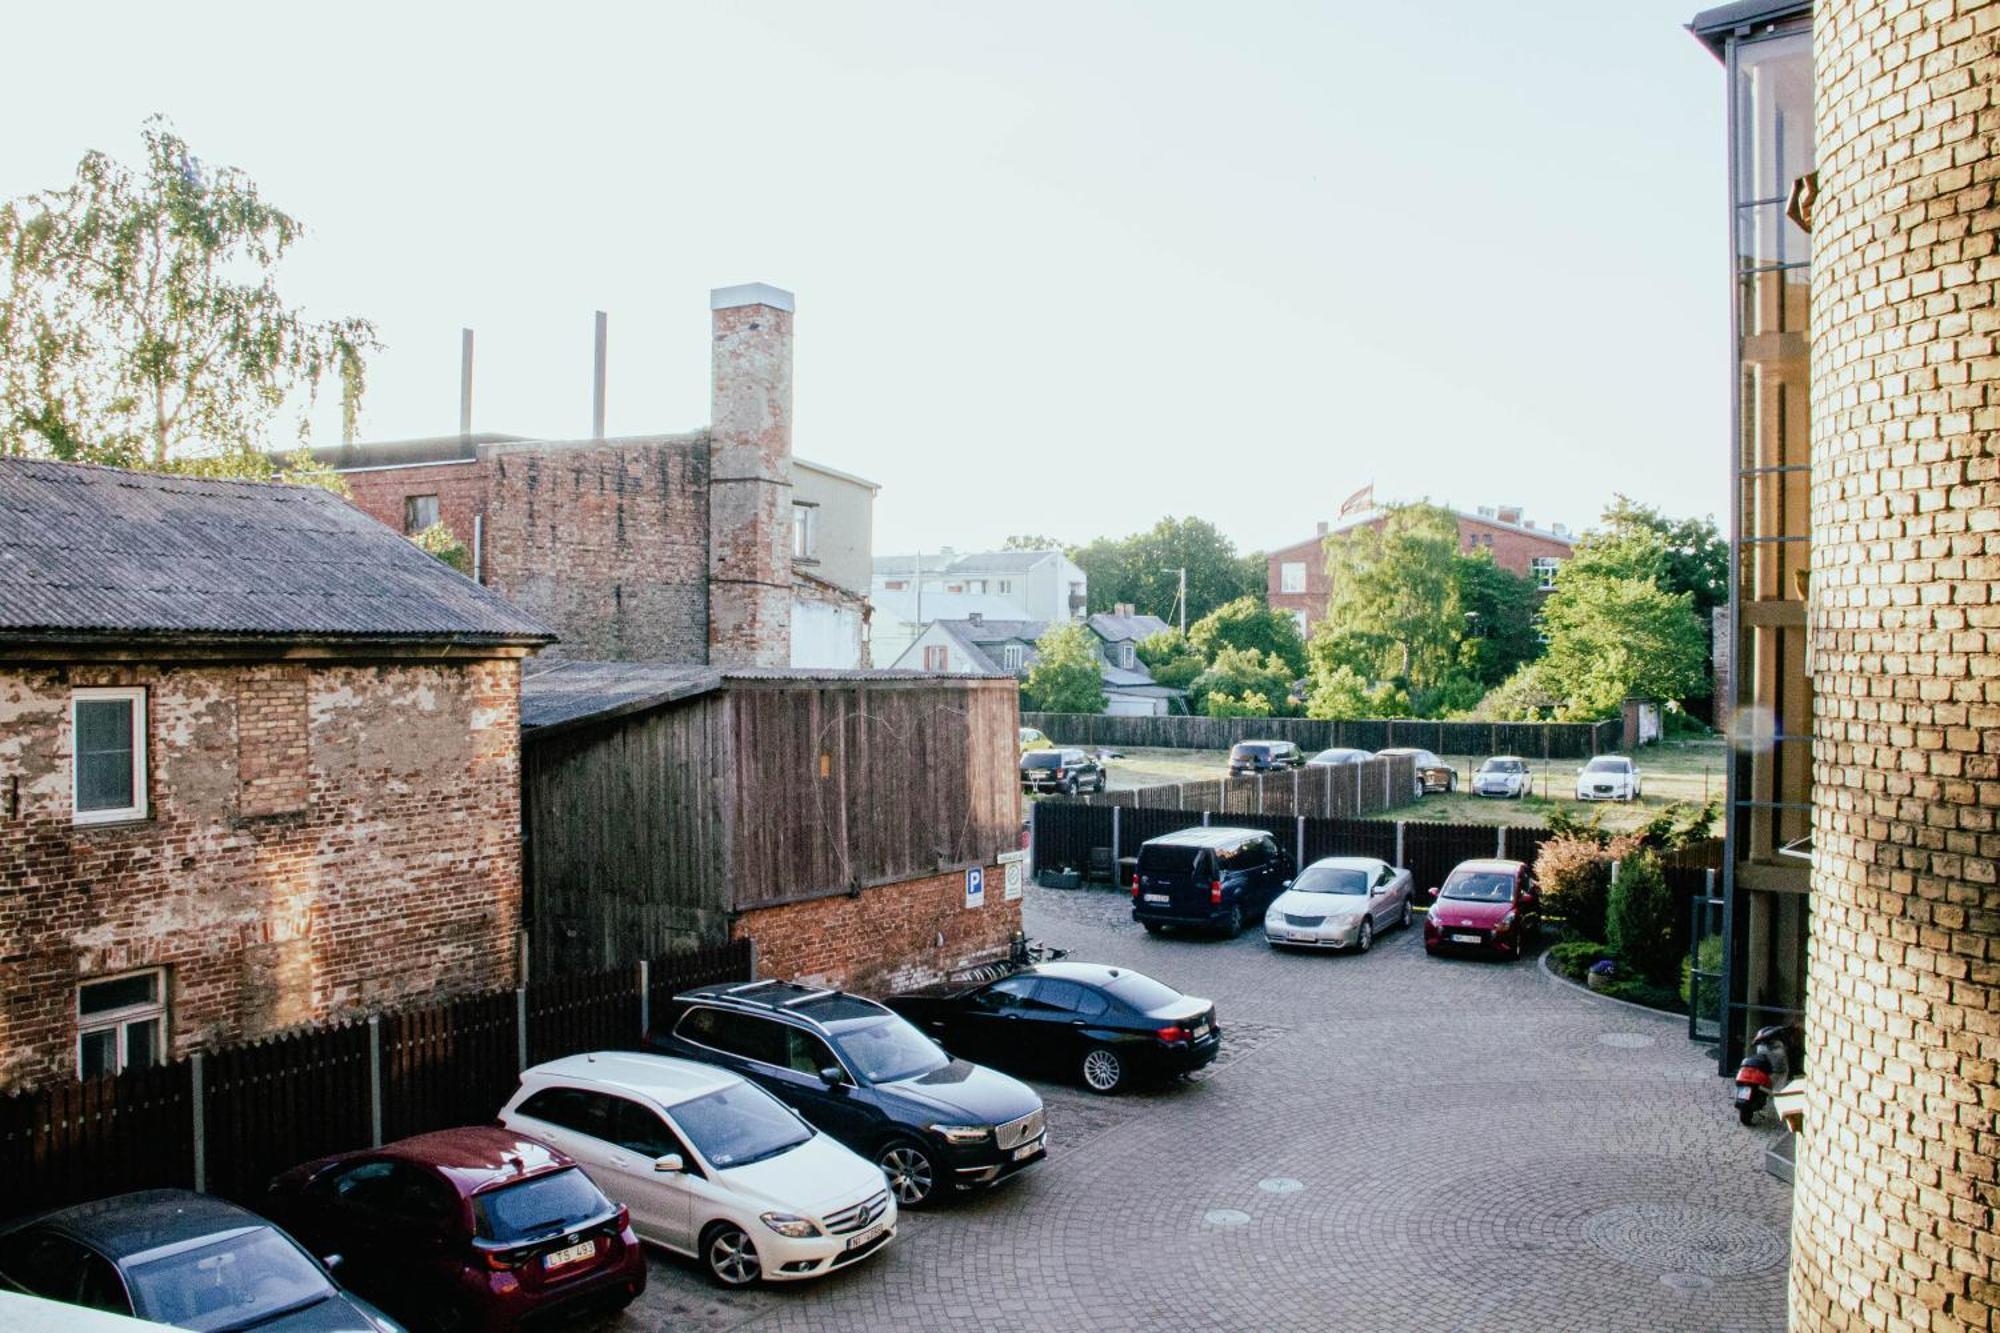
(1346, 922)
(1505, 923)
(791, 1224)
(961, 1133)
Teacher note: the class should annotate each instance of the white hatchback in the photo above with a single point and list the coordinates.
(710, 1164)
(1339, 902)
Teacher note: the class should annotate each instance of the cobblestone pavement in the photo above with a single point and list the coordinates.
(1388, 1142)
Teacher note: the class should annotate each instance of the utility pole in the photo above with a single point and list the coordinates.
(1182, 598)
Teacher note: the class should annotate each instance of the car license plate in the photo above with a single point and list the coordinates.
(1465, 939)
(571, 1254)
(1028, 1150)
(861, 1238)
(1159, 898)
(1303, 935)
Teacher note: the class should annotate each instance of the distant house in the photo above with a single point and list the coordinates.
(1296, 575)
(259, 766)
(908, 592)
(981, 646)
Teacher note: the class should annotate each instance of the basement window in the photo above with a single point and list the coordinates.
(121, 1023)
(419, 512)
(108, 768)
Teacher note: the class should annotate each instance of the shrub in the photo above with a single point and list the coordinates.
(1252, 704)
(439, 541)
(1574, 876)
(1574, 958)
(1640, 918)
(1708, 958)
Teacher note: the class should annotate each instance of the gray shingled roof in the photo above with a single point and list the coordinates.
(970, 562)
(105, 553)
(1118, 629)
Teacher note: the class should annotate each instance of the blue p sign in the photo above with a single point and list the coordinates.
(975, 887)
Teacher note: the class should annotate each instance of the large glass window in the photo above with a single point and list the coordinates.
(108, 777)
(121, 1023)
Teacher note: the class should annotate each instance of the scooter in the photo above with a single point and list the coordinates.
(1774, 1052)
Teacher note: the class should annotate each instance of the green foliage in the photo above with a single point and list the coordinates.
(1241, 672)
(1680, 824)
(1639, 918)
(140, 325)
(1248, 623)
(1066, 676)
(1708, 958)
(1611, 638)
(1395, 606)
(1030, 542)
(1143, 569)
(1252, 704)
(1340, 695)
(1573, 958)
(437, 540)
(1500, 607)
(1573, 876)
(1685, 555)
(1522, 697)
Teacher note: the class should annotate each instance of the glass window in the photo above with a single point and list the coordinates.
(1332, 879)
(738, 1125)
(108, 778)
(419, 512)
(1545, 567)
(806, 1053)
(1013, 656)
(805, 531)
(937, 657)
(539, 1206)
(640, 1129)
(121, 1023)
(1292, 576)
(1057, 994)
(888, 1049)
(1299, 619)
(234, 1281)
(1142, 992)
(1009, 993)
(566, 1108)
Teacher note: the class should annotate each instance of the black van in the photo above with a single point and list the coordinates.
(1218, 878)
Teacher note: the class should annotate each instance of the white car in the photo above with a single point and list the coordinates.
(1339, 902)
(710, 1164)
(1609, 777)
(1503, 775)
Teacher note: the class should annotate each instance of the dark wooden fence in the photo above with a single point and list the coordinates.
(1533, 740)
(1329, 791)
(226, 1121)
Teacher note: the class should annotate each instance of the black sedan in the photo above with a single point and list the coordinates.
(1105, 1025)
(179, 1258)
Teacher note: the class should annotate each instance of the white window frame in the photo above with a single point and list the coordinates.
(119, 1020)
(1544, 568)
(1292, 576)
(1299, 619)
(805, 531)
(977, 587)
(1005, 587)
(1013, 656)
(136, 696)
(941, 653)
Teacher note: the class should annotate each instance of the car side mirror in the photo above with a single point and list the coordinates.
(669, 1164)
(833, 1076)
(333, 1261)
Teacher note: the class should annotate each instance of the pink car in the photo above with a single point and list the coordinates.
(1485, 907)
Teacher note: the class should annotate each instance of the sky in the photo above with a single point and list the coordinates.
(1060, 268)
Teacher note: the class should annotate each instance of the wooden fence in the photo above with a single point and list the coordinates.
(226, 1121)
(1322, 791)
(1532, 740)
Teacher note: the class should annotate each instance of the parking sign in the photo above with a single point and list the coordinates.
(975, 887)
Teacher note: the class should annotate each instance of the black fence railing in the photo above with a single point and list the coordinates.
(1531, 740)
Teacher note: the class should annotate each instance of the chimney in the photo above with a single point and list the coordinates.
(1122, 609)
(750, 477)
(1321, 528)
(1508, 513)
(976, 617)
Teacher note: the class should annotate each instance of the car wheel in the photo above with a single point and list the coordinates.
(730, 1256)
(1366, 939)
(1407, 915)
(1069, 788)
(446, 1316)
(910, 1173)
(1234, 925)
(1152, 927)
(1102, 1070)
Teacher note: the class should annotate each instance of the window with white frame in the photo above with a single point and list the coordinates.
(1292, 576)
(805, 531)
(1544, 568)
(1299, 619)
(121, 1023)
(976, 586)
(1006, 587)
(1125, 656)
(108, 762)
(937, 657)
(1013, 656)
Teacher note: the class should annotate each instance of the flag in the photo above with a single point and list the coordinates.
(1361, 500)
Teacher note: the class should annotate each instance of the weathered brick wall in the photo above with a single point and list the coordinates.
(459, 487)
(892, 936)
(1899, 1165)
(750, 499)
(607, 541)
(277, 887)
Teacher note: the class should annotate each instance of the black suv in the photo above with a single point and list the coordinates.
(1263, 757)
(1068, 771)
(864, 1075)
(1218, 878)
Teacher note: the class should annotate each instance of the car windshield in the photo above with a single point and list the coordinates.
(1042, 759)
(1333, 879)
(538, 1207)
(1607, 765)
(1479, 886)
(738, 1125)
(1503, 766)
(1250, 752)
(1142, 992)
(889, 1049)
(233, 1282)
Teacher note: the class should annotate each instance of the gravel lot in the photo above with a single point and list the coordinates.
(1388, 1142)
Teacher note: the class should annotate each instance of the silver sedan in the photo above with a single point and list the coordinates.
(1341, 902)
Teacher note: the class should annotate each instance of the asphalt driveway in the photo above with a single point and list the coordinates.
(1388, 1142)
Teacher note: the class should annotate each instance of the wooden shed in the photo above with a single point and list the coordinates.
(666, 806)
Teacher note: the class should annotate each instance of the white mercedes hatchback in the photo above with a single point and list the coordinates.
(710, 1164)
(1339, 902)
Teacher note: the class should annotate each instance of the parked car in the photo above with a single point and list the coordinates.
(475, 1228)
(1104, 1025)
(1433, 773)
(1214, 878)
(1246, 757)
(1066, 771)
(932, 1123)
(1485, 906)
(1339, 755)
(710, 1164)
(180, 1258)
(1033, 739)
(1340, 902)
(1609, 777)
(1503, 775)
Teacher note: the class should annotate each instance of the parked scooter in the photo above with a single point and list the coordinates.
(1774, 1053)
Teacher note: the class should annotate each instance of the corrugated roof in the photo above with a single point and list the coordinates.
(1119, 629)
(970, 562)
(104, 552)
(558, 691)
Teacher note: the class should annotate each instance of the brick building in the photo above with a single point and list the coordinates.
(259, 765)
(713, 546)
(1295, 575)
(1864, 213)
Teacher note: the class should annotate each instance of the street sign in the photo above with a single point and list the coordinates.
(1015, 879)
(975, 887)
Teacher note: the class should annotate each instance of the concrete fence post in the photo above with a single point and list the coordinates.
(1299, 844)
(645, 998)
(1114, 844)
(1204, 819)
(1614, 873)
(1400, 829)
(521, 1027)
(1500, 843)
(198, 1085)
(1260, 793)
(375, 1080)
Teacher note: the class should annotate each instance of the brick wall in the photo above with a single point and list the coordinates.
(1899, 1165)
(459, 487)
(1513, 550)
(892, 936)
(321, 839)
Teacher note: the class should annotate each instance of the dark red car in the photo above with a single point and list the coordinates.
(477, 1228)
(1484, 907)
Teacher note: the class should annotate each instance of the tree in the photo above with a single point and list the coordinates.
(1248, 623)
(1143, 569)
(1500, 609)
(1687, 555)
(1614, 638)
(1030, 542)
(1340, 694)
(1395, 608)
(139, 321)
(1252, 704)
(439, 541)
(1639, 917)
(1522, 697)
(1241, 672)
(1171, 660)
(1066, 676)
